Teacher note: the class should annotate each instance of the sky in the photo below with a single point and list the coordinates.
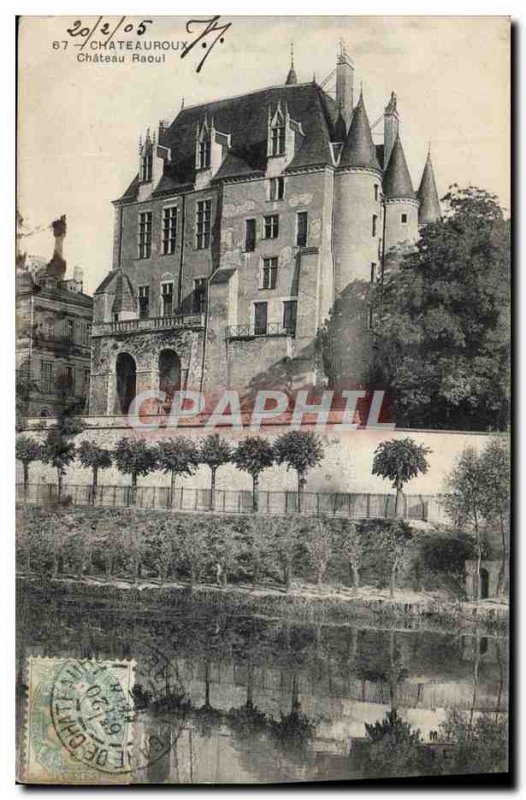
(79, 123)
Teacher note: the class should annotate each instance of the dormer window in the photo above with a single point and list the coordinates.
(203, 147)
(203, 155)
(146, 165)
(277, 140)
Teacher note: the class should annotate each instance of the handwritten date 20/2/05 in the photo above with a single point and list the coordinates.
(206, 32)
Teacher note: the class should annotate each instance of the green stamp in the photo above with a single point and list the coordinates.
(79, 722)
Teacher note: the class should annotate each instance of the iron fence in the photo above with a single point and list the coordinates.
(279, 503)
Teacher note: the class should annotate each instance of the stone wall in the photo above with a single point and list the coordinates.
(346, 466)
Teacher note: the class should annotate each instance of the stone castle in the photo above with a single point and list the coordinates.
(247, 219)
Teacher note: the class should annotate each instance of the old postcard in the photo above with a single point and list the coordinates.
(263, 399)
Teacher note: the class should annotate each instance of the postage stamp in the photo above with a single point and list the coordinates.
(86, 720)
(79, 721)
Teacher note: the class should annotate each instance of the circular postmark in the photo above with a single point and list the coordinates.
(110, 714)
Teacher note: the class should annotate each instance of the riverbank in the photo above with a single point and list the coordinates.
(328, 604)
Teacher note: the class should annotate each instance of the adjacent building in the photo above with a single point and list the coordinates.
(246, 219)
(54, 321)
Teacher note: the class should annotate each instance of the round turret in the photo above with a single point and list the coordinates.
(401, 204)
(357, 226)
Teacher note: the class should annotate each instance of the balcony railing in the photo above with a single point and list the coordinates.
(190, 321)
(250, 331)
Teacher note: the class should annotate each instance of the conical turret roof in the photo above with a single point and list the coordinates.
(429, 210)
(397, 180)
(359, 149)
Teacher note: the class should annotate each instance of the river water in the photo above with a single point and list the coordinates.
(237, 698)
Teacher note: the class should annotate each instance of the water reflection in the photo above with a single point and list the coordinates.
(251, 699)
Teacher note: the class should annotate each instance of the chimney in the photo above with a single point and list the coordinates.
(391, 125)
(344, 85)
(57, 266)
(78, 277)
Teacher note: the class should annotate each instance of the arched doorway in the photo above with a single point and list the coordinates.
(169, 372)
(484, 583)
(126, 382)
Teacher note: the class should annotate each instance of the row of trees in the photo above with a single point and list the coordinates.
(398, 461)
(256, 549)
(178, 457)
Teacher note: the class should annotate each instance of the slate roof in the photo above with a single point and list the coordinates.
(429, 210)
(118, 283)
(359, 149)
(246, 119)
(397, 180)
(124, 295)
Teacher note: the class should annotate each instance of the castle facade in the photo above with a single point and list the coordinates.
(247, 218)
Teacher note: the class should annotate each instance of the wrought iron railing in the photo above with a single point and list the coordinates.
(330, 504)
(249, 331)
(192, 321)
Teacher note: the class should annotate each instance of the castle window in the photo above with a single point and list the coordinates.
(301, 228)
(375, 224)
(145, 234)
(88, 333)
(86, 379)
(169, 230)
(373, 272)
(116, 317)
(203, 149)
(277, 138)
(199, 298)
(250, 235)
(369, 319)
(202, 224)
(271, 227)
(276, 188)
(260, 318)
(146, 166)
(167, 298)
(66, 379)
(49, 329)
(269, 273)
(290, 308)
(144, 302)
(376, 191)
(403, 219)
(68, 330)
(46, 376)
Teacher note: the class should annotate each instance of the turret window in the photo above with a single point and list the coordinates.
(376, 191)
(403, 219)
(374, 225)
(373, 272)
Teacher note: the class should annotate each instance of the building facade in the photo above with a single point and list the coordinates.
(247, 219)
(54, 321)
